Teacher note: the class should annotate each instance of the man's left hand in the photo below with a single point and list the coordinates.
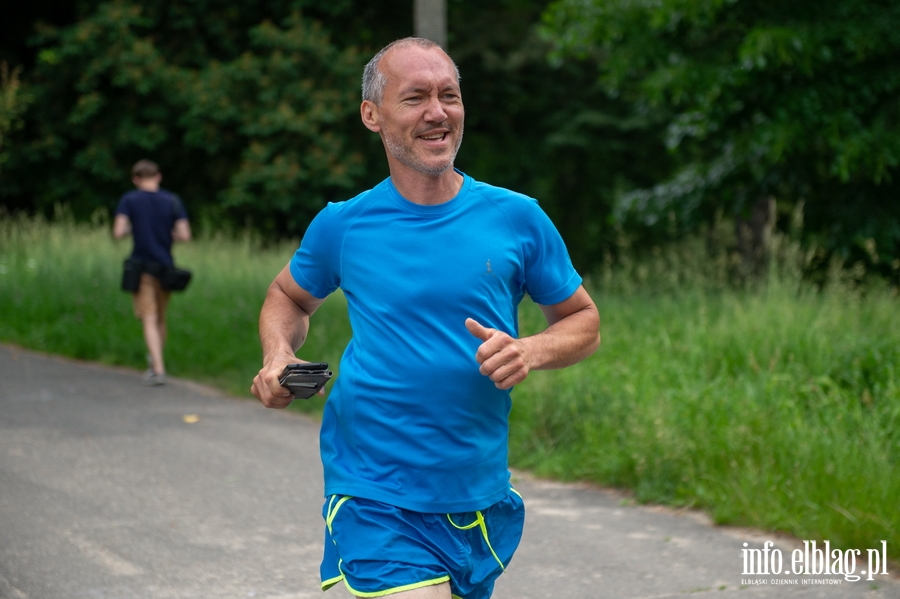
(503, 358)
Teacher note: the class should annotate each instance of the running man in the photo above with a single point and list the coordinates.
(433, 264)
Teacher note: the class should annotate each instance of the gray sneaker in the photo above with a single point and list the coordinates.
(152, 379)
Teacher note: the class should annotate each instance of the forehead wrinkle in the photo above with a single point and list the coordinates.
(425, 88)
(423, 76)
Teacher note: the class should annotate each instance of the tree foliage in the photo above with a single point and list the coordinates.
(758, 99)
(247, 117)
(649, 113)
(548, 130)
(251, 108)
(278, 109)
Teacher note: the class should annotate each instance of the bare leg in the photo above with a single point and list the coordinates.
(436, 591)
(161, 326)
(154, 337)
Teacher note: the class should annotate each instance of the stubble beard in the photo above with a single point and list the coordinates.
(406, 155)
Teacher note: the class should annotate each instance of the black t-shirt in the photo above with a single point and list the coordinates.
(152, 216)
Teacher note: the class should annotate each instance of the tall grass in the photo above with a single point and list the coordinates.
(775, 407)
(772, 410)
(59, 293)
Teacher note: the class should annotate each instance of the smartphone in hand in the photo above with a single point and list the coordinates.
(305, 380)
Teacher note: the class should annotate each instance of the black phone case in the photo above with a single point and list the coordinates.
(305, 380)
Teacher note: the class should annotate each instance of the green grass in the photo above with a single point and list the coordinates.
(772, 410)
(776, 407)
(59, 293)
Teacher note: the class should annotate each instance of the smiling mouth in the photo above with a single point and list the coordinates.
(433, 136)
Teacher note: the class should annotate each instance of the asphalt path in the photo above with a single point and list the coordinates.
(111, 490)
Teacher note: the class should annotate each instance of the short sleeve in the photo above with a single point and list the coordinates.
(315, 265)
(550, 277)
(123, 206)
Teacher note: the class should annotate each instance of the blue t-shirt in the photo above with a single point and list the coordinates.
(152, 216)
(410, 421)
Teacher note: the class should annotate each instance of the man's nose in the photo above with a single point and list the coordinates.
(434, 110)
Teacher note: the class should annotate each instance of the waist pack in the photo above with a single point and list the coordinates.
(175, 279)
(171, 278)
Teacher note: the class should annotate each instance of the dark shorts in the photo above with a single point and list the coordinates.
(379, 549)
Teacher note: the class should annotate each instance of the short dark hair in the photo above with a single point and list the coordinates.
(144, 169)
(373, 80)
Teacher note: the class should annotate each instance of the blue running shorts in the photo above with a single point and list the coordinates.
(379, 549)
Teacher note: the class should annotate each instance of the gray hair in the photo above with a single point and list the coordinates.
(373, 80)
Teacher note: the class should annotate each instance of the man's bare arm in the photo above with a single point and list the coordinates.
(283, 327)
(121, 226)
(572, 334)
(181, 231)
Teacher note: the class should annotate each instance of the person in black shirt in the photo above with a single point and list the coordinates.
(155, 218)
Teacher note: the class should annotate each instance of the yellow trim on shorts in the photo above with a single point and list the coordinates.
(334, 504)
(333, 510)
(406, 587)
(327, 584)
(479, 522)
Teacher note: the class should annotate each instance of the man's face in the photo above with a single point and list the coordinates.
(421, 114)
(150, 183)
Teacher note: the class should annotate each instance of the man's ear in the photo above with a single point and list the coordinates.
(368, 111)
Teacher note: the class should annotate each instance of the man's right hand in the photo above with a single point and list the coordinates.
(283, 325)
(266, 387)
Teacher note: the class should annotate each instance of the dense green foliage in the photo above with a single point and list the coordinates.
(633, 122)
(758, 99)
(547, 130)
(251, 110)
(777, 408)
(242, 113)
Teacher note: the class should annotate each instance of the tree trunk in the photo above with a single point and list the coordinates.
(430, 20)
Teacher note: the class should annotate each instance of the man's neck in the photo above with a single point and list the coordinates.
(426, 189)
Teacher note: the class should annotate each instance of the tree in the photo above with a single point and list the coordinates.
(251, 108)
(282, 110)
(757, 100)
(546, 129)
(242, 114)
